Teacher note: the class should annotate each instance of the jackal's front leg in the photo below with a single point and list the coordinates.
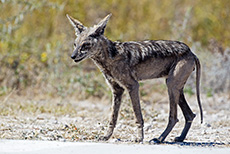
(117, 95)
(134, 95)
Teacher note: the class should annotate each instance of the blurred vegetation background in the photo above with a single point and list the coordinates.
(36, 41)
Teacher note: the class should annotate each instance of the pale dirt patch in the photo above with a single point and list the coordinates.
(86, 120)
(47, 147)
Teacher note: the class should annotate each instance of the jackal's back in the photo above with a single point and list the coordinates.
(142, 50)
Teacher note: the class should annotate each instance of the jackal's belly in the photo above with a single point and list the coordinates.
(153, 68)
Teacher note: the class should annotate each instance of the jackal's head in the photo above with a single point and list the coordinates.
(86, 44)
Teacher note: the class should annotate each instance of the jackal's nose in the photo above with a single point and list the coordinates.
(73, 56)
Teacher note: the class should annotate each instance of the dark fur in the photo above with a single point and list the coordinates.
(125, 63)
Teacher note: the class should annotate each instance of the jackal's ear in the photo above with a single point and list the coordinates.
(100, 27)
(78, 26)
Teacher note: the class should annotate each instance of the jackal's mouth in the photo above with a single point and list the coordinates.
(79, 59)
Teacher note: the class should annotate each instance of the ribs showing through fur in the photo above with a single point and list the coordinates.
(123, 64)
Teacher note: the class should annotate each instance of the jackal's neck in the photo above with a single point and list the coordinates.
(106, 52)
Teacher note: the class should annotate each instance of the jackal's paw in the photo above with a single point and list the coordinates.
(140, 134)
(139, 140)
(155, 141)
(103, 138)
(178, 139)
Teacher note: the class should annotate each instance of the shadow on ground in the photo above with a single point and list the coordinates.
(200, 144)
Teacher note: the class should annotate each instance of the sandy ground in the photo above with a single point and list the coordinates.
(47, 147)
(84, 121)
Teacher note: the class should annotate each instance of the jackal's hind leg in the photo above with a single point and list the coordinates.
(176, 80)
(173, 100)
(189, 116)
(117, 95)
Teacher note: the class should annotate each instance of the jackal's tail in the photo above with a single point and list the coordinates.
(198, 69)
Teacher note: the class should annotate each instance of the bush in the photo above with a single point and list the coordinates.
(36, 40)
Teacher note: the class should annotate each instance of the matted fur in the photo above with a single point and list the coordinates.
(123, 64)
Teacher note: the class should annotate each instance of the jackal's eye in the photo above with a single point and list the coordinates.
(85, 46)
(74, 45)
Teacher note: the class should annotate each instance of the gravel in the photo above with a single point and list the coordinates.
(85, 121)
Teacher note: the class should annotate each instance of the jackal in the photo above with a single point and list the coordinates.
(123, 64)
